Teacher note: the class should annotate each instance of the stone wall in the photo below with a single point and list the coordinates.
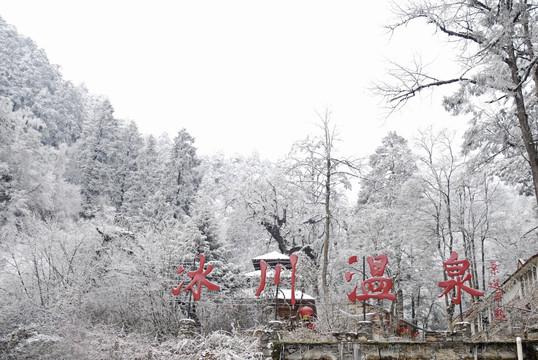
(372, 350)
(360, 345)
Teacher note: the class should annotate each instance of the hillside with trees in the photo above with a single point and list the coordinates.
(96, 217)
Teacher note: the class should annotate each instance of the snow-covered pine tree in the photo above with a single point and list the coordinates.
(129, 196)
(183, 177)
(98, 158)
(33, 84)
(384, 216)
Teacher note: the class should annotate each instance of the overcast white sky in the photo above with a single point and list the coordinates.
(240, 76)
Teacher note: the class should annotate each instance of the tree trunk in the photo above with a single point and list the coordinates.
(523, 118)
(276, 234)
(324, 284)
(449, 305)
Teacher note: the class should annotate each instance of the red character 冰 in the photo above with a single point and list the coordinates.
(198, 278)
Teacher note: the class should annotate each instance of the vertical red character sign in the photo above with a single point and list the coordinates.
(456, 269)
(377, 286)
(198, 278)
(278, 269)
(495, 284)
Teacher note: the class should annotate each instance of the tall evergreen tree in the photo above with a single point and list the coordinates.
(142, 197)
(97, 158)
(33, 84)
(183, 175)
(392, 164)
(129, 183)
(384, 215)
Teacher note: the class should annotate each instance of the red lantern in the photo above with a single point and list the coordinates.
(305, 312)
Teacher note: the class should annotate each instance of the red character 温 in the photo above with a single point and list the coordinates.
(376, 287)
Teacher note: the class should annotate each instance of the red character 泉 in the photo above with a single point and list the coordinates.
(198, 278)
(278, 268)
(456, 269)
(377, 287)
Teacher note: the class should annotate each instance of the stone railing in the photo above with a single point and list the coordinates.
(409, 350)
(359, 345)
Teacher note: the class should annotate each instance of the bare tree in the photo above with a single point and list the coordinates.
(319, 174)
(440, 167)
(462, 205)
(498, 64)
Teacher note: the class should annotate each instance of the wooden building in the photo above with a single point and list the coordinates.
(513, 314)
(281, 303)
(290, 312)
(272, 259)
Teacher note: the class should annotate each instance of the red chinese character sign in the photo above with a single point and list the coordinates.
(278, 269)
(456, 269)
(494, 267)
(495, 285)
(198, 278)
(377, 286)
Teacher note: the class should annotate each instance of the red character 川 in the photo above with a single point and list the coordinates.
(278, 268)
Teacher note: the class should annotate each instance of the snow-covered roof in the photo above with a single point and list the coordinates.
(270, 274)
(272, 255)
(286, 294)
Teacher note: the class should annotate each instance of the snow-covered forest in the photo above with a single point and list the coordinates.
(95, 217)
